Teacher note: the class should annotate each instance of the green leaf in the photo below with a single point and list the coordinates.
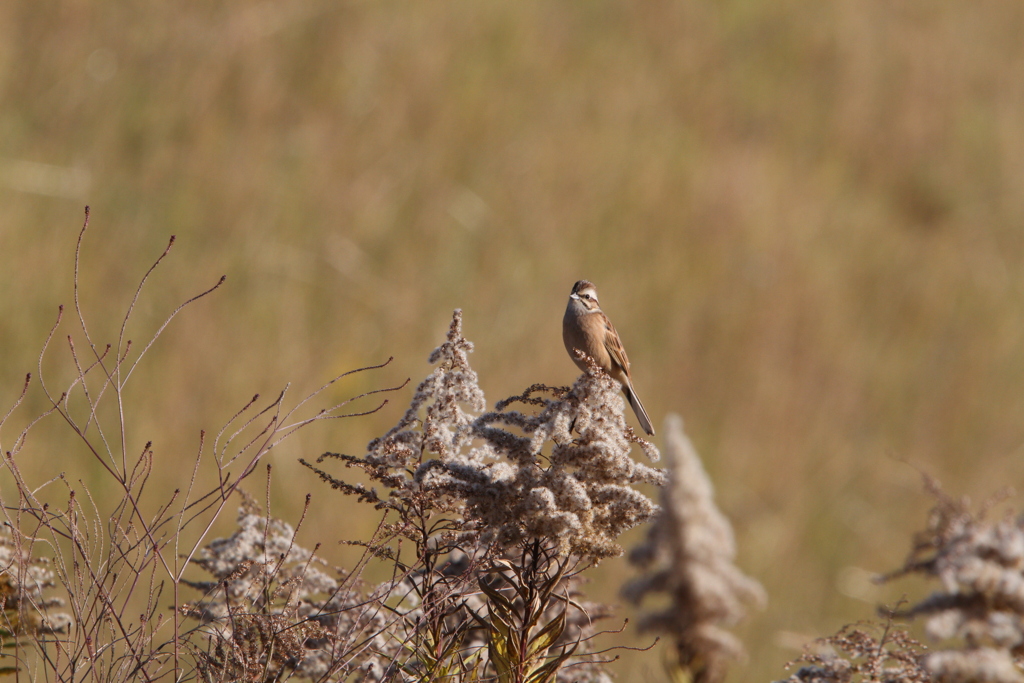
(496, 647)
(547, 672)
(551, 632)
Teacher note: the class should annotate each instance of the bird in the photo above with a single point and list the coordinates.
(586, 328)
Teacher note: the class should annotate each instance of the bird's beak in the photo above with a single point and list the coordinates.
(574, 295)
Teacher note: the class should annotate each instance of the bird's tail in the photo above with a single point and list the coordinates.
(638, 408)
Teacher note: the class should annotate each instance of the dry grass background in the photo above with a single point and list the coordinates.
(804, 217)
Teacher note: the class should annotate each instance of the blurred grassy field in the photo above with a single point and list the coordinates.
(805, 218)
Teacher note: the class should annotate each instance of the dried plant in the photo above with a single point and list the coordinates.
(578, 494)
(980, 602)
(689, 554)
(976, 615)
(273, 610)
(27, 609)
(480, 503)
(116, 560)
(502, 487)
(854, 655)
(488, 521)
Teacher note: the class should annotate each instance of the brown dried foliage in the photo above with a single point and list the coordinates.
(855, 655)
(689, 556)
(117, 559)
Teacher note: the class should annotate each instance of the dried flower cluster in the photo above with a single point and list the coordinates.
(23, 582)
(504, 487)
(689, 552)
(391, 635)
(976, 615)
(488, 521)
(271, 611)
(578, 494)
(499, 507)
(854, 654)
(980, 566)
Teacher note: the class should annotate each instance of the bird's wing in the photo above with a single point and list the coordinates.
(613, 345)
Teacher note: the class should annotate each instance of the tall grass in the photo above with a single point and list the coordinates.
(803, 217)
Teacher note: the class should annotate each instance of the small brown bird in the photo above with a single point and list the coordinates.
(587, 328)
